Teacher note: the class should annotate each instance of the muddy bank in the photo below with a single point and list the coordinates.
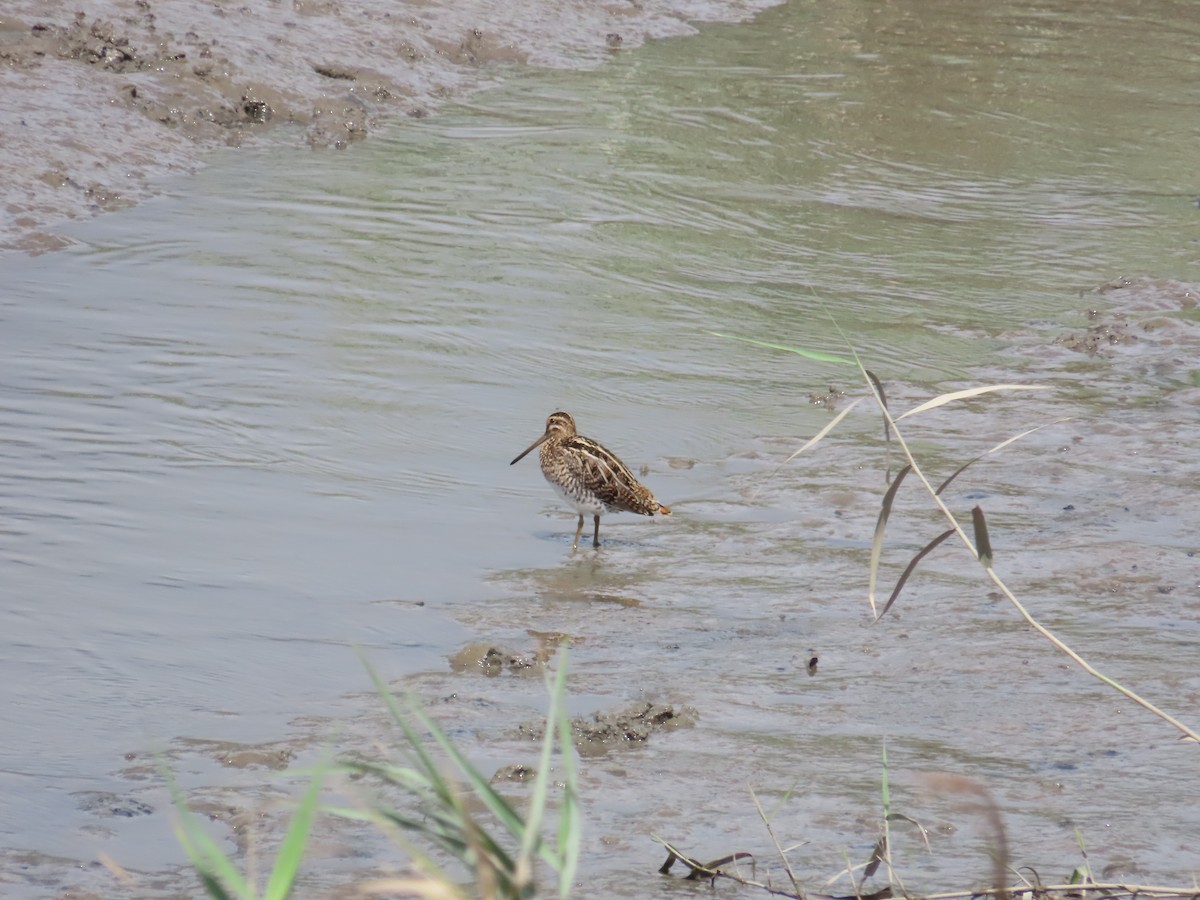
(97, 105)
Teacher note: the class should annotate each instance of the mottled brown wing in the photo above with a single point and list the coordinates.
(609, 478)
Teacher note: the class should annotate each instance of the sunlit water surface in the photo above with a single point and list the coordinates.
(270, 415)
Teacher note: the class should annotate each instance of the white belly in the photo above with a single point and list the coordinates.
(585, 506)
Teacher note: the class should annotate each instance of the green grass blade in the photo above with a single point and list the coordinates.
(537, 800)
(541, 786)
(496, 803)
(218, 873)
(557, 690)
(817, 355)
(206, 872)
(570, 820)
(401, 776)
(453, 823)
(425, 763)
(394, 826)
(570, 835)
(373, 816)
(444, 820)
(438, 786)
(291, 852)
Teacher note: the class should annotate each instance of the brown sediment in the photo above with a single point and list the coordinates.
(97, 106)
(627, 726)
(491, 660)
(1137, 308)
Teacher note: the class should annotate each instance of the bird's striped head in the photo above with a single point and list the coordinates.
(560, 424)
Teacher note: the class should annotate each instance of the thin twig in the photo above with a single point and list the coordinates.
(787, 866)
(1106, 887)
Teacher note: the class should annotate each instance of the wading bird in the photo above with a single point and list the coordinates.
(590, 478)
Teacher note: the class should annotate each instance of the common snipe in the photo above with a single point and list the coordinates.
(590, 478)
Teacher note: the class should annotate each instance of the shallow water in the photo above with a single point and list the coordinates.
(269, 416)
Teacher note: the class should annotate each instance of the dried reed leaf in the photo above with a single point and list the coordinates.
(887, 428)
(885, 510)
(943, 399)
(980, 801)
(983, 543)
(1114, 890)
(816, 438)
(878, 387)
(924, 832)
(118, 871)
(787, 866)
(672, 855)
(1000, 446)
(908, 570)
(714, 865)
(878, 853)
(697, 868)
(413, 886)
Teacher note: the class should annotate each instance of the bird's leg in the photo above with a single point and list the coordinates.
(596, 534)
(578, 532)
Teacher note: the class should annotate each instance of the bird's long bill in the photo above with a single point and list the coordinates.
(520, 456)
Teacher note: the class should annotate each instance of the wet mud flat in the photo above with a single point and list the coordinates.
(694, 653)
(98, 102)
(776, 680)
(691, 674)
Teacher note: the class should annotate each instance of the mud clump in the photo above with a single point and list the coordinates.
(109, 805)
(601, 732)
(830, 399)
(1145, 294)
(336, 127)
(1153, 311)
(274, 758)
(517, 772)
(492, 661)
(1108, 331)
(231, 755)
(99, 43)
